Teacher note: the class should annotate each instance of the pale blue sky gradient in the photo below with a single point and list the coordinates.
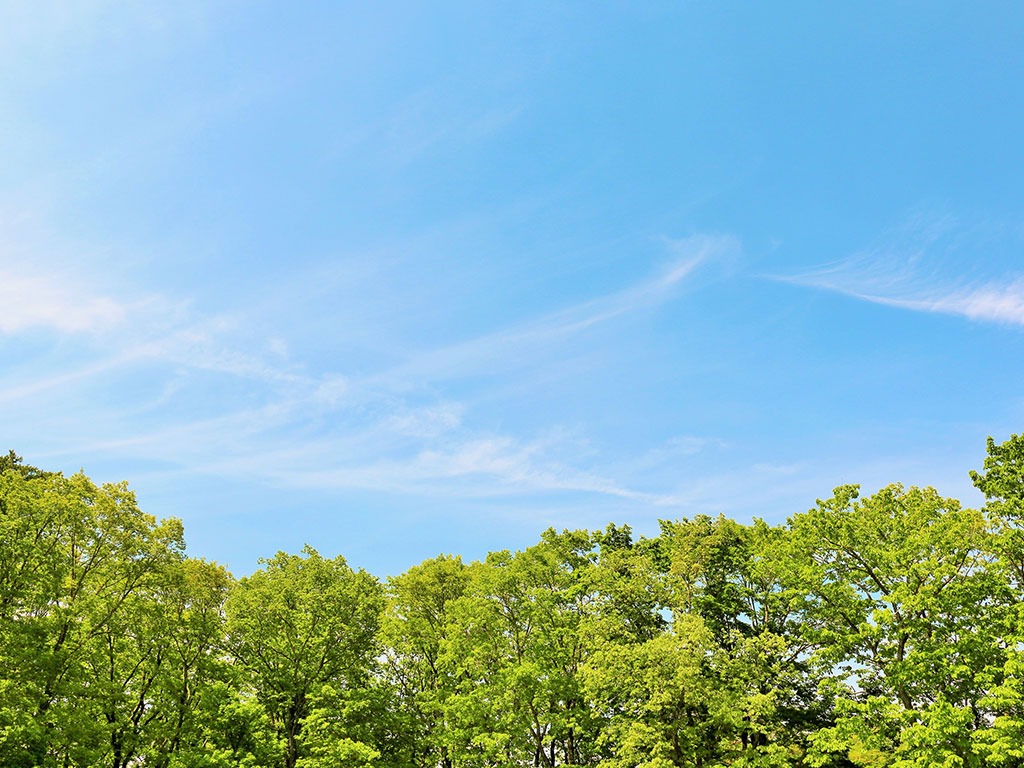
(402, 278)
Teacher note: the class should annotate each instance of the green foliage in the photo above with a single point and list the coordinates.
(907, 605)
(415, 632)
(664, 709)
(515, 647)
(12, 462)
(335, 716)
(1002, 480)
(297, 624)
(877, 631)
(82, 577)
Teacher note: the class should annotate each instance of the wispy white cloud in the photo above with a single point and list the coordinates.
(389, 446)
(39, 385)
(919, 267)
(398, 430)
(512, 345)
(675, 451)
(994, 302)
(47, 301)
(422, 451)
(206, 345)
(464, 466)
(67, 287)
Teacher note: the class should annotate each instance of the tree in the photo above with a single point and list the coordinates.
(905, 606)
(737, 580)
(516, 649)
(297, 624)
(191, 621)
(1002, 479)
(12, 462)
(1002, 482)
(662, 706)
(415, 633)
(77, 564)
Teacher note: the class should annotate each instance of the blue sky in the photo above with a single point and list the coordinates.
(397, 279)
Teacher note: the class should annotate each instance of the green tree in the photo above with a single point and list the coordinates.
(661, 705)
(628, 591)
(1002, 482)
(516, 649)
(905, 607)
(298, 623)
(1002, 478)
(78, 563)
(737, 579)
(12, 462)
(232, 729)
(415, 634)
(191, 619)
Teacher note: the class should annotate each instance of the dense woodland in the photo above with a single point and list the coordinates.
(882, 631)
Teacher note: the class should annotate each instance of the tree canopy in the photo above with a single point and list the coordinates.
(881, 630)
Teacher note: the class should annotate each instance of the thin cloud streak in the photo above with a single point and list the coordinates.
(918, 267)
(40, 385)
(469, 467)
(993, 302)
(245, 446)
(989, 303)
(509, 345)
